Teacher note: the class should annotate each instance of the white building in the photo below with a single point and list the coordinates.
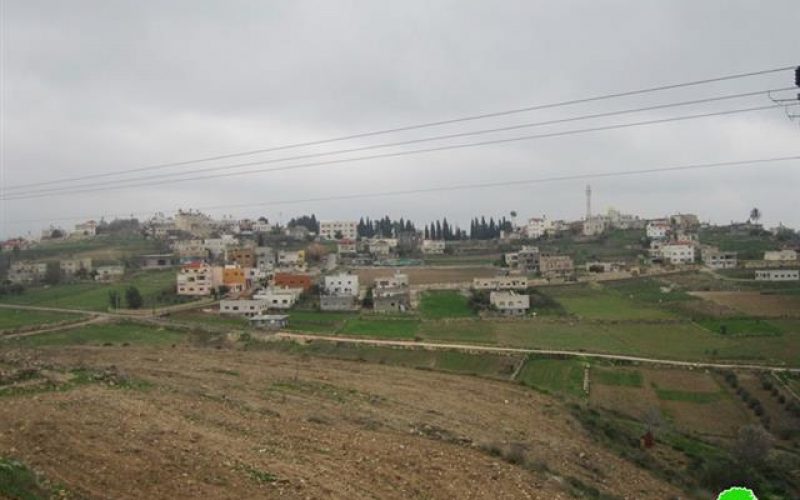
(381, 247)
(342, 284)
(218, 246)
(337, 230)
(109, 273)
(679, 252)
(287, 258)
(538, 227)
(501, 283)
(594, 226)
(780, 255)
(279, 298)
(88, 228)
(658, 229)
(510, 303)
(397, 280)
(433, 247)
(244, 307)
(777, 275)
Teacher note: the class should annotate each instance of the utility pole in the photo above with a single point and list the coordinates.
(588, 202)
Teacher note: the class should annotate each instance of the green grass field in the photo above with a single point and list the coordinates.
(554, 376)
(17, 481)
(444, 304)
(94, 296)
(487, 365)
(381, 328)
(318, 322)
(15, 318)
(103, 247)
(617, 376)
(211, 319)
(474, 331)
(740, 327)
(117, 333)
(605, 304)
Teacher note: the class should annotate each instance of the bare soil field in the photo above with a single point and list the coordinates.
(187, 422)
(429, 274)
(756, 304)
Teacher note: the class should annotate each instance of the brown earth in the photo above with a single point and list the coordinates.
(755, 303)
(204, 423)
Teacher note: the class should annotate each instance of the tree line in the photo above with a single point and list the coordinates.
(385, 227)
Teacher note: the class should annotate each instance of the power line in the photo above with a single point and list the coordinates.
(411, 141)
(419, 126)
(540, 180)
(43, 193)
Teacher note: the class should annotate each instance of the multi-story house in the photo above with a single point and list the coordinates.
(217, 246)
(525, 260)
(538, 227)
(265, 257)
(338, 230)
(594, 226)
(189, 249)
(714, 258)
(340, 293)
(71, 267)
(556, 266)
(288, 258)
(391, 294)
(346, 247)
(510, 303)
(341, 284)
(433, 247)
(658, 229)
(235, 277)
(242, 256)
(27, 272)
(196, 279)
(195, 223)
(678, 252)
(244, 307)
(293, 280)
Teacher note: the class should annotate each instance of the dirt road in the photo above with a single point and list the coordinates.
(518, 350)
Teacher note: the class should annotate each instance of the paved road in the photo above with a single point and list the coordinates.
(518, 350)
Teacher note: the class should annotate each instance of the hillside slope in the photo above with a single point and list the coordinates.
(184, 422)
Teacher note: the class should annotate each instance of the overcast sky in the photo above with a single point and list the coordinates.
(93, 87)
